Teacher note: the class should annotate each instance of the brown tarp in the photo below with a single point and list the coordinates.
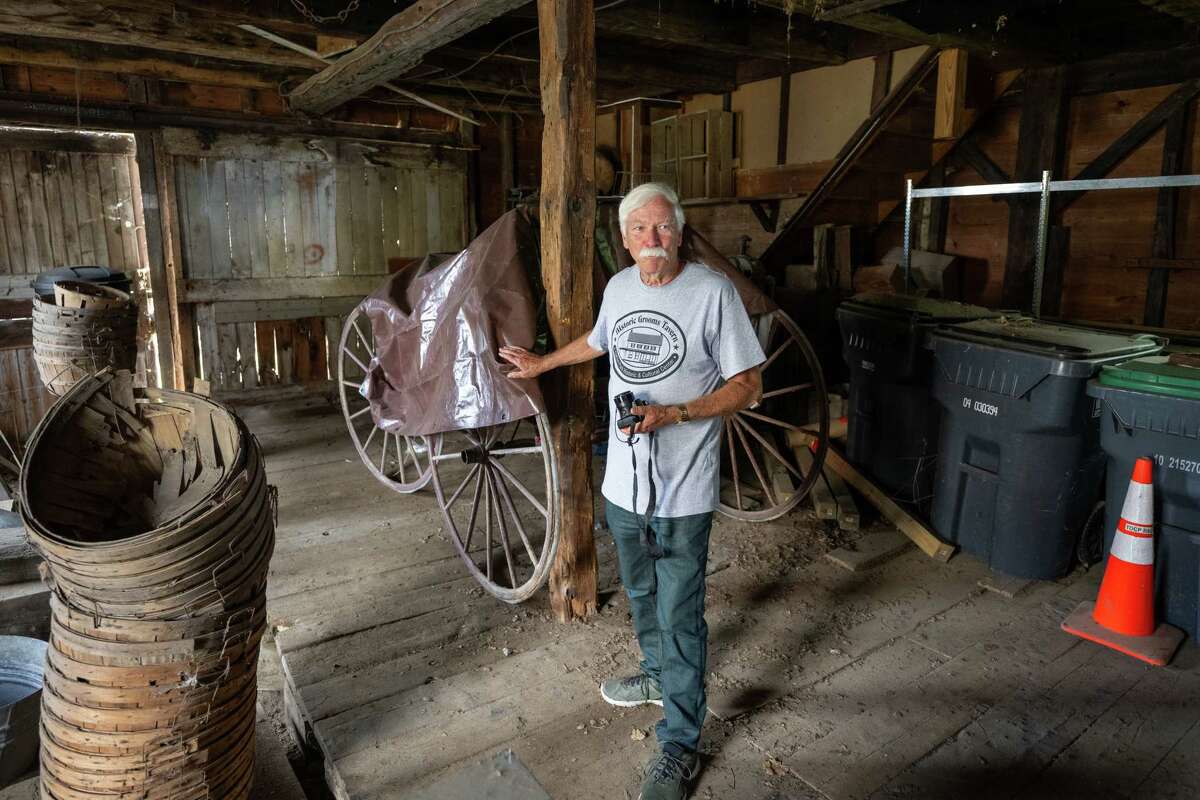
(438, 326)
(439, 323)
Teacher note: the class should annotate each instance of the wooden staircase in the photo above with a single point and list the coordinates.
(865, 183)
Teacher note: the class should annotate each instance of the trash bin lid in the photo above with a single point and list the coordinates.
(926, 309)
(1063, 342)
(1155, 375)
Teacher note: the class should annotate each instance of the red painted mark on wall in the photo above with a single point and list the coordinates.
(313, 253)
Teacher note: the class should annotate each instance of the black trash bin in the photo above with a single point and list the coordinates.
(43, 284)
(1151, 407)
(892, 425)
(1019, 459)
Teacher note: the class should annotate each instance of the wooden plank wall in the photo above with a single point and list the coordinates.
(1107, 229)
(66, 199)
(281, 237)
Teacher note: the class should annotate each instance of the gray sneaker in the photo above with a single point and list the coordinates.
(636, 690)
(668, 776)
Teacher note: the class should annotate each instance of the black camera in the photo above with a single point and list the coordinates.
(625, 402)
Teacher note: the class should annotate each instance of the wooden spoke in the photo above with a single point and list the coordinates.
(366, 345)
(768, 447)
(361, 365)
(474, 513)
(352, 385)
(470, 434)
(754, 463)
(799, 387)
(502, 529)
(520, 487)
(775, 355)
(487, 524)
(383, 453)
(770, 420)
(371, 436)
(737, 490)
(360, 412)
(470, 474)
(400, 457)
(506, 495)
(515, 451)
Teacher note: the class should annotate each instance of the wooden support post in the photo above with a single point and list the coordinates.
(508, 156)
(785, 104)
(155, 255)
(950, 114)
(935, 214)
(882, 80)
(183, 339)
(567, 31)
(1039, 147)
(1173, 160)
(639, 144)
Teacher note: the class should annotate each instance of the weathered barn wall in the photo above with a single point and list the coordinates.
(65, 200)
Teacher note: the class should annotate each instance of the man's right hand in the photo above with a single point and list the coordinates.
(528, 365)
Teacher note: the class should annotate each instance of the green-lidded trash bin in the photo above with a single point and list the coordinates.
(1019, 460)
(892, 425)
(1151, 407)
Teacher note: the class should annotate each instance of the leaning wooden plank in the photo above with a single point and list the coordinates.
(10, 217)
(808, 435)
(822, 498)
(847, 516)
(907, 524)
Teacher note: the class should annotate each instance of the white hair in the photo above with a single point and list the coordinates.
(643, 193)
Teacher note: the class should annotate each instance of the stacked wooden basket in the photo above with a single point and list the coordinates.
(82, 329)
(153, 513)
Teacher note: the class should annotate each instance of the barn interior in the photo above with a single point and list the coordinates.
(919, 202)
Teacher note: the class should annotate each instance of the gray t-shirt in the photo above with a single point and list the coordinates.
(669, 345)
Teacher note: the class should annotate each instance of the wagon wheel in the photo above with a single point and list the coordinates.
(498, 489)
(399, 462)
(754, 442)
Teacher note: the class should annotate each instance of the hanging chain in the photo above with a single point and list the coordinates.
(341, 16)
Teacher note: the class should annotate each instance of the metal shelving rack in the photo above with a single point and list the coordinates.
(1045, 187)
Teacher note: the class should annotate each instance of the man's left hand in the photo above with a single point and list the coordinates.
(655, 417)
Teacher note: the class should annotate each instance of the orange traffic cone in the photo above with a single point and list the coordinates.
(1123, 615)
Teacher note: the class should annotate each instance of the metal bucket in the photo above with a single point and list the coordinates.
(22, 661)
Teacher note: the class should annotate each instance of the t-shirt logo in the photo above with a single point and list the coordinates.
(647, 346)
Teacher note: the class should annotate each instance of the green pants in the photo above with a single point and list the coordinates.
(666, 597)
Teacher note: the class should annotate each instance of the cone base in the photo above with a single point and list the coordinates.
(1156, 649)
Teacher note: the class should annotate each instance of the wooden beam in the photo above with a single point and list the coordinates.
(183, 338)
(972, 155)
(96, 57)
(764, 35)
(785, 102)
(1163, 263)
(882, 80)
(949, 120)
(398, 46)
(1039, 147)
(214, 291)
(566, 30)
(1186, 10)
(54, 109)
(1176, 145)
(146, 27)
(155, 242)
(1129, 141)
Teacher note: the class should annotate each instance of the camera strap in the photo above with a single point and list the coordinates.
(652, 547)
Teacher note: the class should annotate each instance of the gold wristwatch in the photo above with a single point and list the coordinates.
(683, 414)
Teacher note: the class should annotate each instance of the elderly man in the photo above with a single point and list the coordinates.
(679, 338)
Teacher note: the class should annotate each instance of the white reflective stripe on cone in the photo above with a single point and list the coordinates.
(1133, 549)
(1139, 504)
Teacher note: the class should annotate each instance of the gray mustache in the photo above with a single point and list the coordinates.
(653, 252)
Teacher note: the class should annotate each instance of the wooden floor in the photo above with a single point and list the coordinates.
(906, 681)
